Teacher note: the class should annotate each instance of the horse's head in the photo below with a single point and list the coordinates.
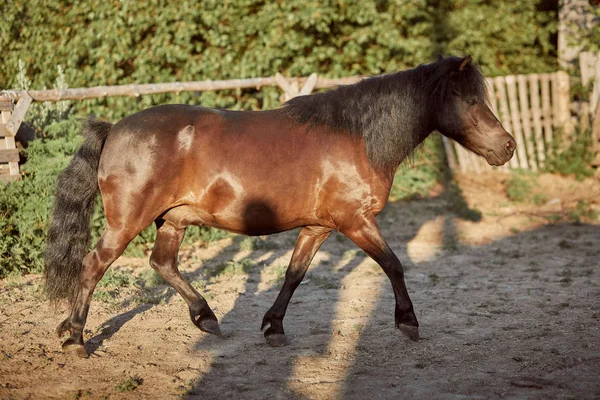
(463, 113)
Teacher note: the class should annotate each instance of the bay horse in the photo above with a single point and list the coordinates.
(320, 162)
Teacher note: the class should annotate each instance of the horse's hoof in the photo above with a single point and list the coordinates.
(210, 326)
(277, 340)
(411, 332)
(75, 350)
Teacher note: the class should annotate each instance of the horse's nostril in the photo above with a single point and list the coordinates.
(511, 146)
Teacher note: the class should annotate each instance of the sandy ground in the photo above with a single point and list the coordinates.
(509, 307)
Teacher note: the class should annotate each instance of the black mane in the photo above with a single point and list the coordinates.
(393, 113)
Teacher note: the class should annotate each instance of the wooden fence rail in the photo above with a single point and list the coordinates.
(532, 107)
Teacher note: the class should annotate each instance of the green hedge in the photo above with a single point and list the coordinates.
(109, 43)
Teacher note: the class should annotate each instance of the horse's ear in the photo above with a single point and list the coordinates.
(439, 57)
(465, 62)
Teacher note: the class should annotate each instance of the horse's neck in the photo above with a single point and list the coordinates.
(404, 126)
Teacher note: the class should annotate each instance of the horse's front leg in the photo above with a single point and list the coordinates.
(366, 234)
(307, 245)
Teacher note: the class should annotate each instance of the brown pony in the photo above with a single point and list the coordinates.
(321, 162)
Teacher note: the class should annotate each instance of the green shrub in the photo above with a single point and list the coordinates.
(520, 186)
(582, 212)
(233, 267)
(110, 43)
(575, 159)
(25, 205)
(417, 176)
(129, 384)
(114, 278)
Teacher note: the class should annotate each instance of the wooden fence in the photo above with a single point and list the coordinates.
(532, 107)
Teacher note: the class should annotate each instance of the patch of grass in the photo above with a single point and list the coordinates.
(539, 199)
(149, 298)
(575, 159)
(352, 254)
(194, 234)
(520, 186)
(129, 384)
(151, 278)
(199, 284)
(114, 278)
(279, 272)
(450, 243)
(252, 243)
(104, 296)
(233, 267)
(583, 211)
(340, 238)
(434, 278)
(324, 282)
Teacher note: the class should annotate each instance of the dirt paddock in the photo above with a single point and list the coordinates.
(509, 307)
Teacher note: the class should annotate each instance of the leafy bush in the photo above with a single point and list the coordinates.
(519, 187)
(574, 160)
(25, 205)
(417, 176)
(109, 43)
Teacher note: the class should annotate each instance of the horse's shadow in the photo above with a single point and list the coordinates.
(112, 326)
(159, 295)
(310, 330)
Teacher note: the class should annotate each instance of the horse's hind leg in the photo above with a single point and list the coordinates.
(309, 241)
(111, 245)
(164, 261)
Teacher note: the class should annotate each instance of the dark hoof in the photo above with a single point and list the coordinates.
(210, 326)
(277, 340)
(75, 350)
(411, 332)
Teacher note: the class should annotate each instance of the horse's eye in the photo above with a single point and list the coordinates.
(471, 102)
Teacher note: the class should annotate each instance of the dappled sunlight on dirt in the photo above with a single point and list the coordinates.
(428, 242)
(508, 307)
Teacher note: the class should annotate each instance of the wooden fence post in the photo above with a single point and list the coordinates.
(291, 87)
(500, 82)
(536, 114)
(563, 100)
(11, 119)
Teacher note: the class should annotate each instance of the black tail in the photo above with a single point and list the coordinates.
(69, 236)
